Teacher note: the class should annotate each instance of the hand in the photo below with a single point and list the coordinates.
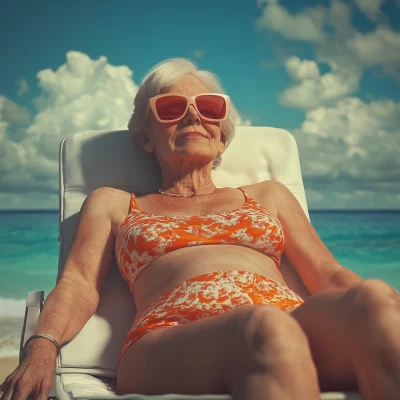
(34, 375)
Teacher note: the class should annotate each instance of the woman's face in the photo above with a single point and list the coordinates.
(167, 138)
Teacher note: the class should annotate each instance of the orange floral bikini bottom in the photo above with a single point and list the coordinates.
(209, 295)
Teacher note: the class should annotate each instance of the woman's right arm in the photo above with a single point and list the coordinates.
(76, 296)
(71, 303)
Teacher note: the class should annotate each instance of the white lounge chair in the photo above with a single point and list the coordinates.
(86, 367)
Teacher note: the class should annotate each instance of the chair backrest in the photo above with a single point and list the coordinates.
(93, 159)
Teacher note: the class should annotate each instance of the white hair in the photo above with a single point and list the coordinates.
(167, 73)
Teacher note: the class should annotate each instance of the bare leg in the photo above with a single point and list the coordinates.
(253, 352)
(323, 319)
(376, 340)
(202, 356)
(285, 380)
(277, 360)
(354, 337)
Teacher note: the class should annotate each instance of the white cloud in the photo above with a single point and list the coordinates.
(22, 87)
(339, 20)
(312, 89)
(336, 40)
(301, 70)
(381, 47)
(306, 25)
(348, 148)
(12, 113)
(352, 146)
(243, 122)
(352, 119)
(82, 94)
(371, 8)
(11, 155)
(199, 53)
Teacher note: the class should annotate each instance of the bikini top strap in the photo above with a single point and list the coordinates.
(133, 204)
(246, 196)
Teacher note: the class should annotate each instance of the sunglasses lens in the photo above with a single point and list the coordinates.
(211, 106)
(173, 107)
(170, 107)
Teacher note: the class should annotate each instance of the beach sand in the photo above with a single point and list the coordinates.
(7, 365)
(10, 336)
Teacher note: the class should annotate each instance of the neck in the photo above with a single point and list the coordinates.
(191, 183)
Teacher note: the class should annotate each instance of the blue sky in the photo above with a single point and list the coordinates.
(328, 71)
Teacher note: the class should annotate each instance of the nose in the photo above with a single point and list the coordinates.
(191, 114)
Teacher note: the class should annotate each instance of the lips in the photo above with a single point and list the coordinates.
(193, 134)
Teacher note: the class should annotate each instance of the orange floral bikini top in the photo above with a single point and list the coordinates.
(144, 237)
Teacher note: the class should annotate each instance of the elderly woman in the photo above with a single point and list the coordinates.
(205, 261)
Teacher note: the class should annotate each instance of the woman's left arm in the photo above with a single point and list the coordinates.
(317, 267)
(343, 278)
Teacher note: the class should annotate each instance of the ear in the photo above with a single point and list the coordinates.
(145, 142)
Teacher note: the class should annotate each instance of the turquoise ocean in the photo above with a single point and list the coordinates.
(367, 242)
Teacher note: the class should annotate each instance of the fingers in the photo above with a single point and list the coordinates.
(16, 391)
(2, 386)
(31, 380)
(44, 392)
(25, 392)
(5, 388)
(7, 380)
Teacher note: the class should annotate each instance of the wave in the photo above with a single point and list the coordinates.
(10, 307)
(10, 335)
(9, 345)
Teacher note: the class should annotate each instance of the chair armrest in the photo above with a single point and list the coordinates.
(34, 305)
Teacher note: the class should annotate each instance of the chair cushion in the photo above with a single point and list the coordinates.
(83, 386)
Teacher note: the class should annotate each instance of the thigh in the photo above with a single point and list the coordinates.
(323, 319)
(205, 316)
(188, 358)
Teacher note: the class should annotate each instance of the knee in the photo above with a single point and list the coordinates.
(270, 333)
(269, 337)
(371, 299)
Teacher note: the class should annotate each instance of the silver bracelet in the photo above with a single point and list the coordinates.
(43, 335)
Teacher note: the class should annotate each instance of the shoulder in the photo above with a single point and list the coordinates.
(269, 185)
(283, 199)
(108, 198)
(268, 193)
(266, 189)
(272, 185)
(279, 195)
(105, 194)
